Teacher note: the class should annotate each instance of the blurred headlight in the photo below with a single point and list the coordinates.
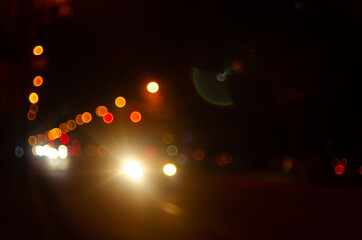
(169, 169)
(133, 170)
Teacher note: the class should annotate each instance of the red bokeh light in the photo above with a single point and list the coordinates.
(335, 162)
(219, 161)
(135, 116)
(237, 66)
(344, 162)
(70, 150)
(64, 138)
(108, 118)
(76, 143)
(76, 150)
(150, 151)
(339, 169)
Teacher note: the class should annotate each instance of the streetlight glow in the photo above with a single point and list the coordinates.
(152, 87)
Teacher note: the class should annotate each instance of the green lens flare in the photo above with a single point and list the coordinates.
(210, 89)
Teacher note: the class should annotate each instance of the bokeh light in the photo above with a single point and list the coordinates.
(33, 98)
(79, 120)
(76, 143)
(218, 161)
(220, 77)
(41, 138)
(182, 158)
(152, 87)
(52, 145)
(64, 128)
(64, 138)
(33, 150)
(223, 159)
(52, 153)
(70, 150)
(57, 132)
(39, 150)
(227, 158)
(34, 108)
(169, 169)
(185, 148)
(38, 50)
(150, 151)
(102, 150)
(47, 136)
(71, 124)
(334, 162)
(172, 150)
(86, 117)
(19, 151)
(38, 81)
(32, 140)
(360, 170)
(167, 138)
(287, 164)
(62, 151)
(187, 136)
(101, 111)
(343, 162)
(31, 115)
(237, 66)
(90, 150)
(339, 169)
(120, 102)
(198, 155)
(108, 118)
(135, 116)
(76, 150)
(54, 134)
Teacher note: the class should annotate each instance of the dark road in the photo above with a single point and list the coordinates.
(101, 204)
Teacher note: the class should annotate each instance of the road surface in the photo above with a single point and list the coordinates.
(95, 203)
